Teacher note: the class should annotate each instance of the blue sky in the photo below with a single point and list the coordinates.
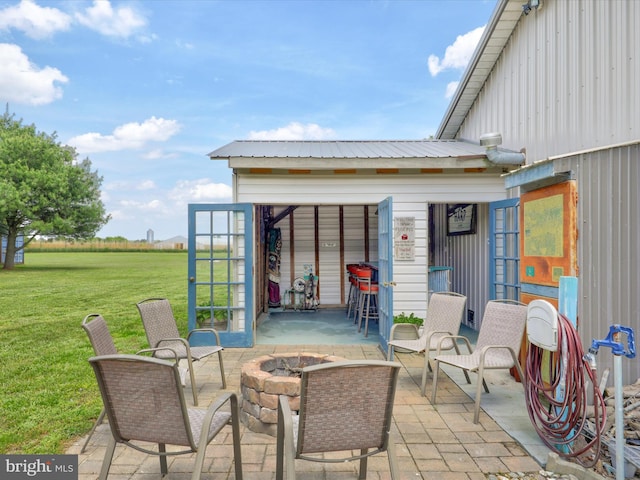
(145, 89)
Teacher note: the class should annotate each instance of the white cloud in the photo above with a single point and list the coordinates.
(35, 21)
(451, 89)
(458, 54)
(121, 22)
(134, 206)
(117, 185)
(157, 154)
(146, 185)
(201, 190)
(128, 136)
(184, 45)
(25, 83)
(147, 38)
(294, 131)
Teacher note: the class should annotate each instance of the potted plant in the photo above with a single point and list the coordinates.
(203, 318)
(406, 327)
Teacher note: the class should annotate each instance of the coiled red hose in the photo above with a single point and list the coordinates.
(560, 418)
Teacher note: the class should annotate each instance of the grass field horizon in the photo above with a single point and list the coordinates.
(48, 392)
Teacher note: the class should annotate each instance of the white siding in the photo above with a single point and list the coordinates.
(566, 81)
(367, 189)
(410, 294)
(411, 196)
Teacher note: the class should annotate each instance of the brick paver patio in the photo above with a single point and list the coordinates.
(432, 442)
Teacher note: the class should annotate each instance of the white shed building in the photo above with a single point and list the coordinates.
(326, 198)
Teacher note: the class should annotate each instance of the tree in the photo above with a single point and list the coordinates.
(44, 189)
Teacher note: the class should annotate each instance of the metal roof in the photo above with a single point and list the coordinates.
(349, 149)
(496, 35)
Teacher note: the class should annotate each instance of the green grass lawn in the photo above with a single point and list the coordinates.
(48, 392)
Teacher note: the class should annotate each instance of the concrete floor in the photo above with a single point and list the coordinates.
(321, 327)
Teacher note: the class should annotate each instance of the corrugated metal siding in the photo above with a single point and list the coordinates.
(566, 81)
(468, 255)
(608, 252)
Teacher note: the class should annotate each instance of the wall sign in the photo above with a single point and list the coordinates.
(548, 234)
(461, 218)
(404, 234)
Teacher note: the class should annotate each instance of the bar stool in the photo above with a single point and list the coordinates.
(360, 275)
(367, 299)
(352, 297)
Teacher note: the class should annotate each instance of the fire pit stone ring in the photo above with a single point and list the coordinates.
(265, 378)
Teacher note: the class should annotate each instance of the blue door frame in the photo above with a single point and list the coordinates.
(385, 270)
(220, 272)
(504, 250)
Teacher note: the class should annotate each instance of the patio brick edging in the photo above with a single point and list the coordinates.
(260, 389)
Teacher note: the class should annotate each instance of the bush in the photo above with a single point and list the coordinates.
(403, 318)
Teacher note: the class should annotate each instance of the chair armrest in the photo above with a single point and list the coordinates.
(167, 340)
(204, 331)
(152, 350)
(455, 338)
(486, 348)
(285, 410)
(218, 403)
(393, 327)
(284, 436)
(448, 334)
(222, 399)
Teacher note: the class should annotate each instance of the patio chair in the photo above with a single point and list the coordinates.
(444, 315)
(162, 331)
(145, 403)
(102, 342)
(344, 406)
(497, 347)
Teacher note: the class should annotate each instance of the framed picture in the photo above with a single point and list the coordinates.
(461, 218)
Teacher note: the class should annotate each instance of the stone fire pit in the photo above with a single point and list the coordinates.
(267, 377)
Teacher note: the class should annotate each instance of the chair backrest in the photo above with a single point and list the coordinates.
(143, 399)
(346, 405)
(445, 312)
(158, 320)
(99, 336)
(503, 323)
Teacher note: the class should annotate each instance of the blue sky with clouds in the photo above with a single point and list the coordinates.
(146, 89)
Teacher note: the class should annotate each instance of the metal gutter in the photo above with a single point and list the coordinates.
(449, 128)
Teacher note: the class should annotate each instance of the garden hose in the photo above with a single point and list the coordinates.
(557, 402)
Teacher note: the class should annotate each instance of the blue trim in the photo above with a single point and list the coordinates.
(19, 256)
(511, 203)
(568, 298)
(541, 290)
(227, 339)
(530, 174)
(385, 269)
